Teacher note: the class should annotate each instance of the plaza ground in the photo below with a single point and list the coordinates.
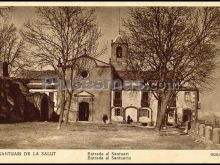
(44, 135)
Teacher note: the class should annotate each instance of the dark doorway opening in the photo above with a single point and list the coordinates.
(187, 115)
(83, 111)
(44, 109)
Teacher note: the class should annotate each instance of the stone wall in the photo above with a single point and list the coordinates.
(17, 104)
(206, 132)
(14, 106)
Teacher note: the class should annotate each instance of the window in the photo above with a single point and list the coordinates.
(145, 113)
(144, 99)
(117, 99)
(119, 52)
(117, 94)
(117, 112)
(84, 74)
(187, 96)
(194, 97)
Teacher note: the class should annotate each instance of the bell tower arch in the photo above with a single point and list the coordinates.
(119, 50)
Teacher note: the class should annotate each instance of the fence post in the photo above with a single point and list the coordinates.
(208, 133)
(216, 135)
(197, 128)
(202, 131)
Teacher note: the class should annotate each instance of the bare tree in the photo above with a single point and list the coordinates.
(58, 37)
(176, 44)
(12, 49)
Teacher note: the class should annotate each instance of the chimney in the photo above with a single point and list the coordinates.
(5, 69)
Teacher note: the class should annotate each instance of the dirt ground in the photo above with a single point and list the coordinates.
(44, 135)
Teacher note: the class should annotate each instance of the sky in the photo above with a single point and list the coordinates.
(108, 22)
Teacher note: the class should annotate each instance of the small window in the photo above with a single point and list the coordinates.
(187, 96)
(145, 113)
(117, 112)
(144, 99)
(119, 52)
(194, 97)
(117, 99)
(117, 94)
(84, 74)
(145, 95)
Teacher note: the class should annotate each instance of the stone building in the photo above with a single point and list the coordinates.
(95, 97)
(90, 101)
(141, 106)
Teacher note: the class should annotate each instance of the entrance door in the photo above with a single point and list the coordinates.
(187, 115)
(132, 112)
(44, 109)
(83, 111)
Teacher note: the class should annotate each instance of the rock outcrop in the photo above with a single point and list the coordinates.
(16, 103)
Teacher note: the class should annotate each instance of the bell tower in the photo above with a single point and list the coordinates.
(119, 50)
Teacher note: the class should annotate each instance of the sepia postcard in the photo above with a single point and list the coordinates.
(109, 82)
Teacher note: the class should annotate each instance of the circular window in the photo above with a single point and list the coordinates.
(84, 74)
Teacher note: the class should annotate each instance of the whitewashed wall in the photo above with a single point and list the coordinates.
(130, 98)
(182, 104)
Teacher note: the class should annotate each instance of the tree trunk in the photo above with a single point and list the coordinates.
(62, 109)
(163, 100)
(69, 101)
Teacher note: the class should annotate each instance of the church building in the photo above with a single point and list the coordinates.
(90, 104)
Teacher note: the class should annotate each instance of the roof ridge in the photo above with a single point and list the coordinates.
(93, 59)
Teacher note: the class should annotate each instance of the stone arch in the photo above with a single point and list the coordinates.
(132, 111)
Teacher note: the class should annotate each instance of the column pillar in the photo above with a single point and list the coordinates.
(91, 102)
(138, 114)
(77, 109)
(123, 112)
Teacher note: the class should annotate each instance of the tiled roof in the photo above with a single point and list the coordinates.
(97, 62)
(33, 74)
(147, 76)
(131, 75)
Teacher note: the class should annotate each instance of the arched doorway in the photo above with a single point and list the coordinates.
(83, 111)
(132, 112)
(44, 109)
